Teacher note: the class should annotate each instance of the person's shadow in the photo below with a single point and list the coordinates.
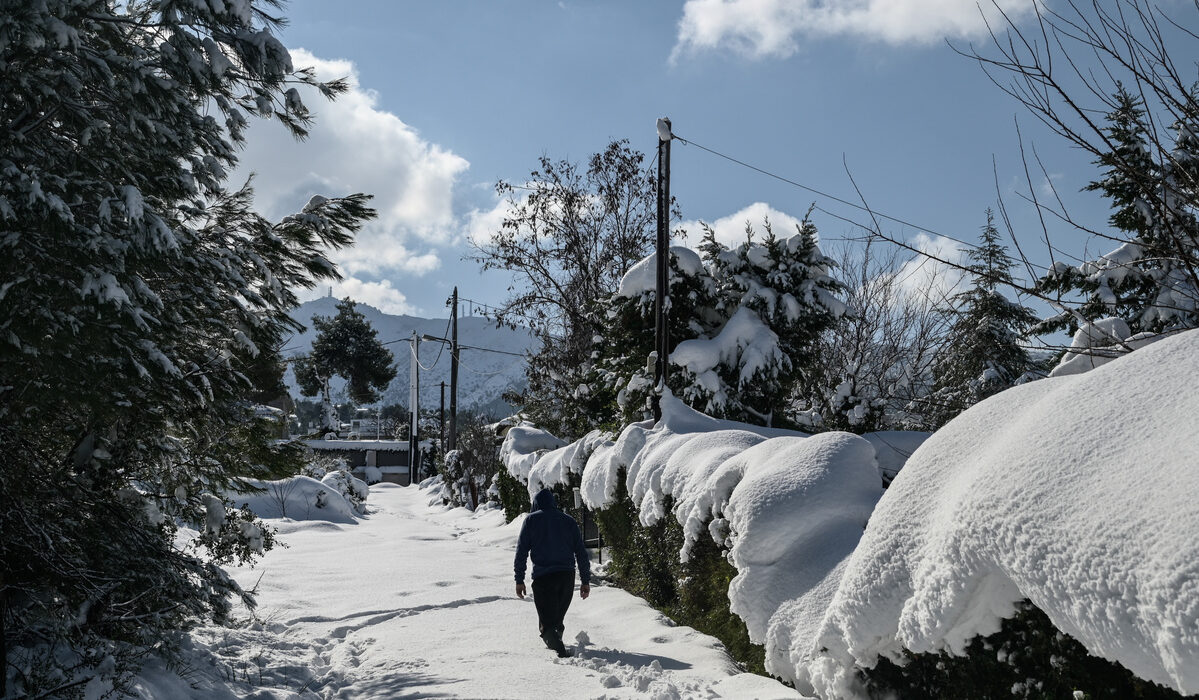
(634, 659)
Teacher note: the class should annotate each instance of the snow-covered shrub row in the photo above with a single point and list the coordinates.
(1077, 493)
(1050, 492)
(788, 508)
(523, 446)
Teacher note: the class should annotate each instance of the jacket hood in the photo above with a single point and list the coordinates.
(544, 500)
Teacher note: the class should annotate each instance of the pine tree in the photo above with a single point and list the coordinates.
(621, 379)
(982, 354)
(776, 298)
(346, 346)
(1150, 280)
(135, 294)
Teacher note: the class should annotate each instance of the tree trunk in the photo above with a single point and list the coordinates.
(3, 638)
(329, 416)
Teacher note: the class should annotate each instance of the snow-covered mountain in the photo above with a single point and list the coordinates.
(483, 377)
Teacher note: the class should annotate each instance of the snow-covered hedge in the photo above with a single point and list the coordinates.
(1075, 492)
(788, 507)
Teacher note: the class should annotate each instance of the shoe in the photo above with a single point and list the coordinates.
(554, 641)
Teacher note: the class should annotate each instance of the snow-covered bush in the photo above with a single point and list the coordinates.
(665, 498)
(348, 487)
(473, 470)
(300, 498)
(1075, 493)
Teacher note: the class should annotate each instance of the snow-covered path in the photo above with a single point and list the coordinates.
(415, 603)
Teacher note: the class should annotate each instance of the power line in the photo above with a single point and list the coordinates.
(487, 374)
(499, 352)
(820, 193)
(416, 357)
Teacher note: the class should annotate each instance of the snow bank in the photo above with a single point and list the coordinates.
(1076, 492)
(795, 516)
(299, 498)
(523, 446)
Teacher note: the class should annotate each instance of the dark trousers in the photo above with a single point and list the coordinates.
(551, 595)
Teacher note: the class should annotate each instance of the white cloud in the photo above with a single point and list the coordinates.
(1048, 186)
(355, 146)
(730, 230)
(380, 295)
(481, 225)
(773, 28)
(925, 277)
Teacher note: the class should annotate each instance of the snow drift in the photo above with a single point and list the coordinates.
(336, 498)
(1077, 492)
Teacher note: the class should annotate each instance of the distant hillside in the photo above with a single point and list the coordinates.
(483, 377)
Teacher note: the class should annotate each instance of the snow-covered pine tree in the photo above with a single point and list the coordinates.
(346, 346)
(1150, 278)
(622, 361)
(982, 354)
(134, 291)
(777, 297)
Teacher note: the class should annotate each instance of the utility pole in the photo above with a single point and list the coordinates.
(442, 415)
(661, 306)
(454, 372)
(414, 403)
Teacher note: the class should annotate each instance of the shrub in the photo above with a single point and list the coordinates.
(1027, 658)
(645, 562)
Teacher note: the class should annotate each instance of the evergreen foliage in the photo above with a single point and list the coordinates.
(645, 562)
(1027, 658)
(982, 354)
(621, 378)
(345, 346)
(138, 294)
(1151, 279)
(514, 495)
(775, 298)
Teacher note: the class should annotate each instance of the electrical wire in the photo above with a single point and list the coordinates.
(813, 190)
(499, 352)
(487, 374)
(416, 357)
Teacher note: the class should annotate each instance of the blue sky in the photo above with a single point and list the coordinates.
(452, 96)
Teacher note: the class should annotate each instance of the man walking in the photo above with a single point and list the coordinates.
(555, 543)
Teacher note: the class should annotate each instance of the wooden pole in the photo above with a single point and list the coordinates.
(454, 372)
(661, 296)
(414, 410)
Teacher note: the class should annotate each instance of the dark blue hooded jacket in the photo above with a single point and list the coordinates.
(553, 539)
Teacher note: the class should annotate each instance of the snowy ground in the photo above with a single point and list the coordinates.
(413, 602)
